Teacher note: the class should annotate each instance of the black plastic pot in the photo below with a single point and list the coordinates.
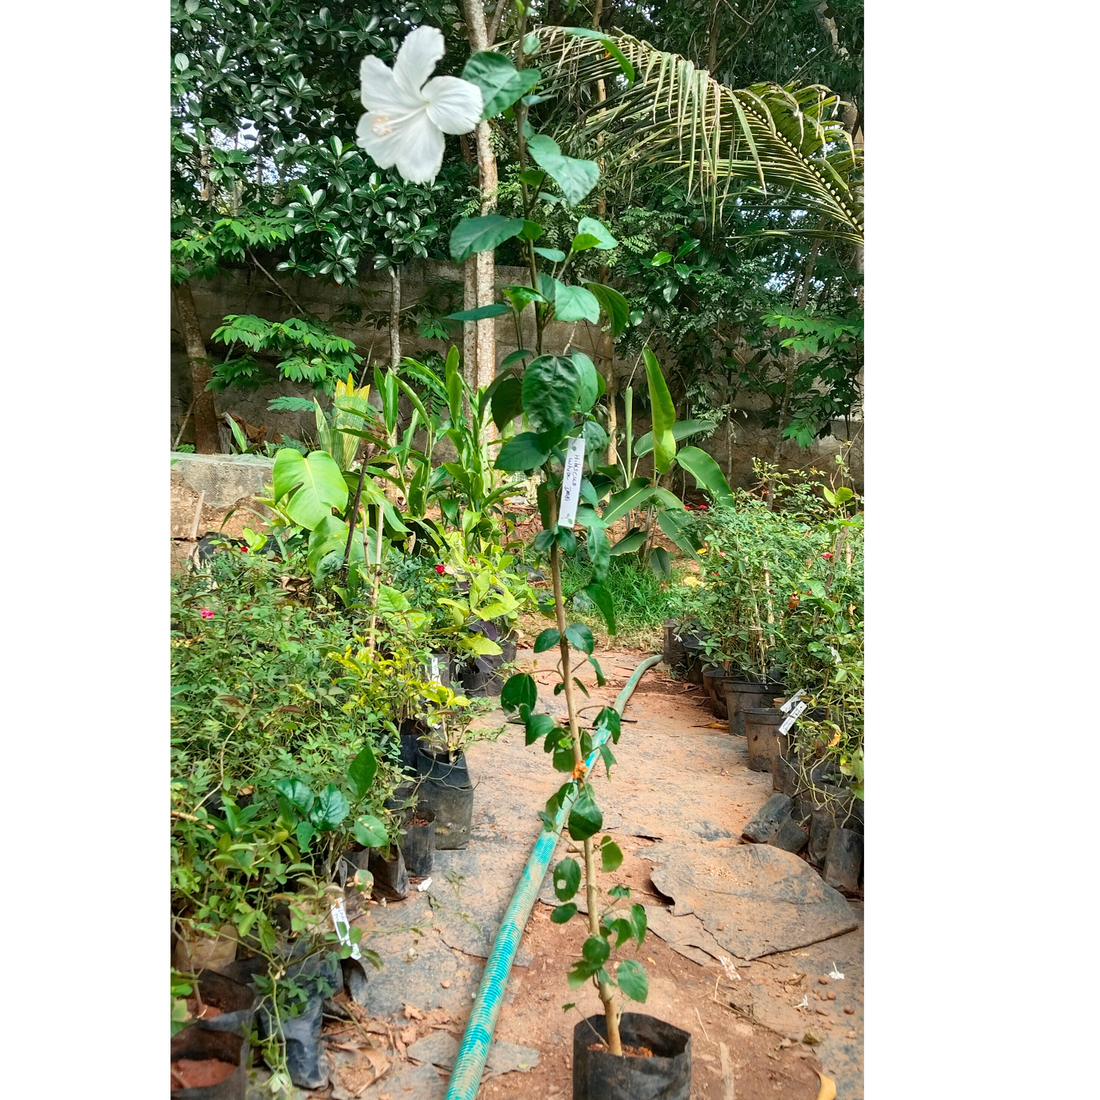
(600, 1075)
(742, 694)
(391, 877)
(236, 1001)
(713, 685)
(412, 730)
(305, 1058)
(481, 677)
(199, 1044)
(447, 791)
(763, 737)
(418, 845)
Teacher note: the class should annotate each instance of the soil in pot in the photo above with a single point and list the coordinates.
(222, 1004)
(209, 1065)
(740, 694)
(447, 791)
(418, 845)
(763, 737)
(659, 1068)
(713, 681)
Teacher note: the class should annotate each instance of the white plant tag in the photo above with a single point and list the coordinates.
(791, 718)
(571, 482)
(785, 707)
(343, 929)
(436, 679)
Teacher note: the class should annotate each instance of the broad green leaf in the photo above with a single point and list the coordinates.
(632, 980)
(707, 473)
(673, 524)
(551, 387)
(563, 913)
(626, 500)
(567, 877)
(660, 562)
(580, 637)
(525, 452)
(639, 921)
(538, 725)
(521, 296)
(614, 305)
(320, 486)
(554, 255)
(304, 833)
(547, 640)
(576, 178)
(579, 974)
(611, 855)
(494, 309)
(296, 793)
(599, 553)
(590, 227)
(481, 234)
(574, 303)
(601, 597)
(362, 771)
(518, 690)
(585, 818)
(595, 440)
(369, 831)
(664, 414)
(331, 809)
(680, 430)
(516, 356)
(629, 544)
(609, 44)
(500, 82)
(589, 378)
(563, 756)
(596, 950)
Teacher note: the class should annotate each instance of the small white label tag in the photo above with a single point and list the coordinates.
(785, 708)
(571, 482)
(436, 679)
(343, 929)
(791, 718)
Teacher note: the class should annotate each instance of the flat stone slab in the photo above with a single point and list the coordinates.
(441, 1049)
(753, 900)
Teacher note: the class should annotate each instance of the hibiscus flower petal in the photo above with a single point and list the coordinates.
(454, 105)
(379, 92)
(377, 138)
(415, 147)
(416, 59)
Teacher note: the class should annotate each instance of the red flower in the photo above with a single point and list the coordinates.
(701, 507)
(206, 613)
(440, 569)
(827, 555)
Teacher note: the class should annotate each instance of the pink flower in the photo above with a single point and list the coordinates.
(440, 569)
(827, 555)
(206, 613)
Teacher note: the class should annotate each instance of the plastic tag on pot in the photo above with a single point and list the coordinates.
(343, 930)
(791, 718)
(434, 671)
(786, 707)
(571, 482)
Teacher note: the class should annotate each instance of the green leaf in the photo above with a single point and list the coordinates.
(664, 414)
(626, 500)
(500, 82)
(673, 524)
(619, 892)
(315, 485)
(369, 831)
(494, 309)
(629, 544)
(579, 974)
(590, 227)
(580, 637)
(576, 178)
(632, 980)
(296, 793)
(519, 690)
(304, 834)
(609, 44)
(595, 440)
(599, 553)
(525, 452)
(332, 807)
(563, 913)
(614, 305)
(554, 255)
(551, 387)
(563, 756)
(660, 562)
(707, 473)
(611, 855)
(547, 640)
(596, 951)
(590, 381)
(574, 303)
(585, 817)
(680, 430)
(521, 296)
(362, 771)
(481, 234)
(538, 725)
(608, 758)
(610, 718)
(601, 597)
(639, 922)
(516, 356)
(567, 878)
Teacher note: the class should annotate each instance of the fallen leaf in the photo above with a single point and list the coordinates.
(828, 1087)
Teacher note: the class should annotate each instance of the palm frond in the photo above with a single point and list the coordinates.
(784, 147)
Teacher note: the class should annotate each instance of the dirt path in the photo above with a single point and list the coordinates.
(679, 784)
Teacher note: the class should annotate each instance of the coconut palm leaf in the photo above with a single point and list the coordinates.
(780, 148)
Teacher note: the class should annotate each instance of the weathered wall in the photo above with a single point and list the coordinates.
(254, 293)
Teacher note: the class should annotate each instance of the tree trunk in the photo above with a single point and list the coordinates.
(206, 417)
(483, 368)
(395, 317)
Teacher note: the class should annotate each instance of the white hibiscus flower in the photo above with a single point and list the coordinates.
(406, 118)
